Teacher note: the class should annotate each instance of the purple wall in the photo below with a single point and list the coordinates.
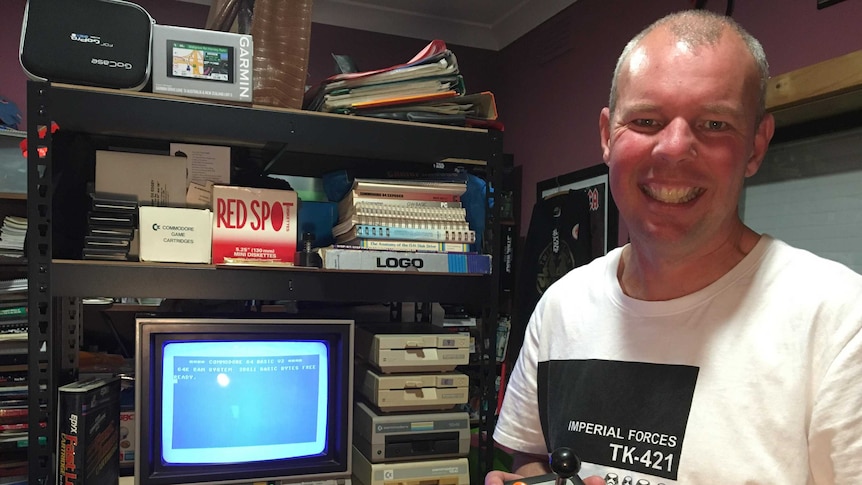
(13, 81)
(551, 83)
(12, 78)
(369, 50)
(551, 108)
(374, 51)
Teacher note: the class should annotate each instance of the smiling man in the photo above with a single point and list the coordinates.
(702, 352)
(685, 127)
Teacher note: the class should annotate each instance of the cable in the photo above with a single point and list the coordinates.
(700, 4)
(110, 323)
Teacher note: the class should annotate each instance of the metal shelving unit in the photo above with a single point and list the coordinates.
(290, 140)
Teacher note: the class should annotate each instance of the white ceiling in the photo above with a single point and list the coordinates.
(486, 24)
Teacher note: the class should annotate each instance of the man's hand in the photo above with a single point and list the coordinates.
(497, 477)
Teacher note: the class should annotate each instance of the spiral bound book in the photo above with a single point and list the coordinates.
(347, 205)
(398, 222)
(434, 213)
(402, 192)
(412, 246)
(409, 234)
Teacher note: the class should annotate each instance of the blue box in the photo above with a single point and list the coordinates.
(317, 218)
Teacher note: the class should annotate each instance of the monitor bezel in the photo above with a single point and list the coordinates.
(335, 465)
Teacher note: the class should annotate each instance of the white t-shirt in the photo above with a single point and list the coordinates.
(757, 378)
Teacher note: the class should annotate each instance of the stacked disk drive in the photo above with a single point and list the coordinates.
(405, 426)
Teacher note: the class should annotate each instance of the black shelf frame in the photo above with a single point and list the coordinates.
(57, 286)
(105, 278)
(123, 113)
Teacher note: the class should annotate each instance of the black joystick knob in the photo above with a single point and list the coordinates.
(307, 257)
(565, 464)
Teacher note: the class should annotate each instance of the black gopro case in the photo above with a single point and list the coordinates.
(104, 43)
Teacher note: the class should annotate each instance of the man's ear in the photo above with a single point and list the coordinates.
(605, 133)
(762, 137)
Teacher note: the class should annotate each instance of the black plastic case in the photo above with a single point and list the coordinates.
(103, 43)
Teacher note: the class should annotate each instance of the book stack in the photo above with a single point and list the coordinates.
(380, 220)
(13, 306)
(13, 381)
(432, 74)
(111, 224)
(427, 89)
(396, 214)
(13, 444)
(12, 235)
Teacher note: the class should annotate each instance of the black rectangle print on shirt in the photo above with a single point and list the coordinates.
(628, 415)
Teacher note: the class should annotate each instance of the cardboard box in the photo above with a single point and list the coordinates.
(152, 180)
(202, 63)
(88, 418)
(127, 438)
(253, 225)
(204, 163)
(175, 235)
(422, 262)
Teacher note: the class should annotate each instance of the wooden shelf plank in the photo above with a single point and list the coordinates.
(828, 88)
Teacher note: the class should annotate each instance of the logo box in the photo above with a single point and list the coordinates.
(252, 225)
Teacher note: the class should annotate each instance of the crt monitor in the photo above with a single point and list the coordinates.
(232, 400)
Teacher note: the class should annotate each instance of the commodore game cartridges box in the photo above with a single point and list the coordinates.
(175, 234)
(252, 225)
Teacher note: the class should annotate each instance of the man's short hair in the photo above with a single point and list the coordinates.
(698, 28)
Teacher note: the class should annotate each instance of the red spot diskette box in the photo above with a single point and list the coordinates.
(253, 225)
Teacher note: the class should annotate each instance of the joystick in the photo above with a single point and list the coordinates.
(565, 464)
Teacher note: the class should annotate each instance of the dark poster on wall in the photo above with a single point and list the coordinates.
(604, 218)
(826, 3)
(573, 221)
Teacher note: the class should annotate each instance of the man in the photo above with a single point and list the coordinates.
(701, 352)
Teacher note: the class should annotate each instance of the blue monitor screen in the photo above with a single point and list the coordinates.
(230, 399)
(227, 402)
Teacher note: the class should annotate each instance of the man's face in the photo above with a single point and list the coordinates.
(683, 139)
